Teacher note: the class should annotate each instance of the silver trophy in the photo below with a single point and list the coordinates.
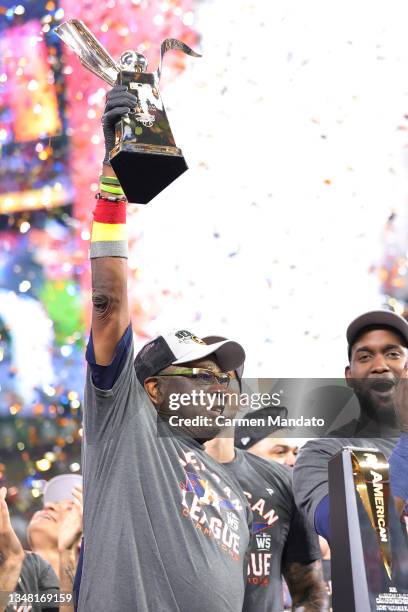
(145, 157)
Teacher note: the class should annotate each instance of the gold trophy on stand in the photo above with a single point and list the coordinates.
(369, 545)
(145, 157)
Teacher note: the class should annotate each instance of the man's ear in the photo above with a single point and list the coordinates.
(348, 377)
(153, 390)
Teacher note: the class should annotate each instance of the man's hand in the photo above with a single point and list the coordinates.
(11, 553)
(70, 523)
(119, 101)
(401, 400)
(10, 546)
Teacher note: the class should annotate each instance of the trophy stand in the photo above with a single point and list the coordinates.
(348, 575)
(368, 543)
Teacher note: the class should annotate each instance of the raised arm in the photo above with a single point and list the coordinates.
(110, 311)
(11, 553)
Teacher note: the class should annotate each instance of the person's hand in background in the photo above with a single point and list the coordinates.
(70, 522)
(11, 552)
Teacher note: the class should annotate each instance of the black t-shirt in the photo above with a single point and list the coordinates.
(36, 577)
(279, 532)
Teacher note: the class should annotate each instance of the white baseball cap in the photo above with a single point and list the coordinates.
(60, 488)
(182, 346)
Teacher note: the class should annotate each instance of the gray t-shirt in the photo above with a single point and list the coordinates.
(36, 577)
(310, 474)
(166, 528)
(279, 531)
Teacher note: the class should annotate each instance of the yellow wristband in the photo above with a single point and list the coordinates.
(111, 189)
(109, 180)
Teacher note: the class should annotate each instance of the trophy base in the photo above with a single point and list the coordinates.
(145, 170)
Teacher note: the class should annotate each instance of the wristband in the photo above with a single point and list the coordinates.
(109, 180)
(109, 232)
(111, 189)
(99, 196)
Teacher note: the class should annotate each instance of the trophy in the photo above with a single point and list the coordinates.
(145, 157)
(368, 542)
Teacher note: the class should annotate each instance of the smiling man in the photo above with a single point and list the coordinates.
(22, 572)
(55, 532)
(165, 526)
(377, 350)
(378, 354)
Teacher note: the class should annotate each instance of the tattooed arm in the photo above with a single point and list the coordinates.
(306, 586)
(67, 568)
(110, 312)
(69, 536)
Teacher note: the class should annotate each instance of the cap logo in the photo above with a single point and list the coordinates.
(186, 337)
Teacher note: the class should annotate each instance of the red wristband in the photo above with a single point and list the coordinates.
(110, 212)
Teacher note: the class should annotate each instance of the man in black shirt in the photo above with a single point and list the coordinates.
(378, 354)
(281, 543)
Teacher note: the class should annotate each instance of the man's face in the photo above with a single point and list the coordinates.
(282, 450)
(206, 400)
(42, 530)
(377, 361)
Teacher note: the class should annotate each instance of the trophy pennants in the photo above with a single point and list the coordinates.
(370, 471)
(90, 52)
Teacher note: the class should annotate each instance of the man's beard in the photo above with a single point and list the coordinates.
(374, 407)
